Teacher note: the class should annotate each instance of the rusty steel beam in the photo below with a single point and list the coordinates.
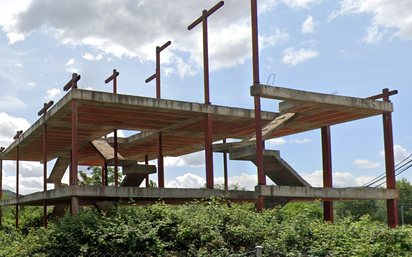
(17, 184)
(258, 118)
(393, 220)
(73, 82)
(19, 132)
(255, 41)
(113, 77)
(74, 143)
(225, 168)
(160, 164)
(327, 171)
(45, 170)
(203, 19)
(383, 95)
(209, 151)
(45, 108)
(146, 161)
(116, 159)
(103, 176)
(208, 13)
(208, 118)
(157, 73)
(106, 176)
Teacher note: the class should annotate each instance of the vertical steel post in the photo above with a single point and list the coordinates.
(208, 151)
(74, 200)
(393, 221)
(17, 185)
(205, 57)
(106, 176)
(208, 118)
(103, 175)
(160, 165)
(327, 171)
(146, 161)
(45, 173)
(116, 165)
(225, 168)
(258, 117)
(158, 72)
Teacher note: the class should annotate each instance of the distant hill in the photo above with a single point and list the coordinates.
(9, 193)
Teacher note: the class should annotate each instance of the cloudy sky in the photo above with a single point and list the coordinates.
(350, 47)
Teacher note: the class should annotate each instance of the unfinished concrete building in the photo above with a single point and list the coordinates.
(72, 132)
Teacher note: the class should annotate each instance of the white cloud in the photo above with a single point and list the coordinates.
(229, 29)
(191, 160)
(365, 164)
(395, 15)
(19, 65)
(70, 62)
(373, 35)
(308, 26)
(26, 169)
(52, 93)
(73, 70)
(8, 127)
(10, 102)
(32, 84)
(305, 4)
(27, 185)
(303, 141)
(276, 141)
(91, 57)
(249, 181)
(399, 152)
(339, 179)
(188, 180)
(292, 57)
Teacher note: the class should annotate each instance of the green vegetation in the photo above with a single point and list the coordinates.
(212, 228)
(208, 228)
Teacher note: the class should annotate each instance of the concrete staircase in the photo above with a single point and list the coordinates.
(275, 167)
(135, 173)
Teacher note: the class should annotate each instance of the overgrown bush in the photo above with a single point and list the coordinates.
(208, 228)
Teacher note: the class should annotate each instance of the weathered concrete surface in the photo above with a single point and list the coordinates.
(272, 127)
(58, 171)
(90, 194)
(105, 150)
(329, 99)
(181, 124)
(274, 167)
(136, 173)
(313, 193)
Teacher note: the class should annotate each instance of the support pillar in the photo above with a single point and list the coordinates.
(44, 174)
(74, 200)
(258, 117)
(103, 176)
(116, 166)
(17, 185)
(106, 176)
(225, 169)
(146, 161)
(392, 204)
(327, 172)
(160, 164)
(209, 151)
